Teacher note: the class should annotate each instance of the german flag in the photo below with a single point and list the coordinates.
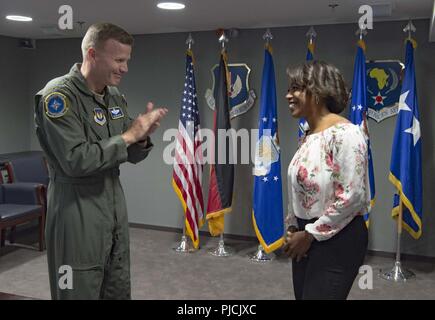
(220, 192)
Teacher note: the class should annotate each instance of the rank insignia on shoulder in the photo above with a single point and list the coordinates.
(99, 116)
(56, 105)
(116, 113)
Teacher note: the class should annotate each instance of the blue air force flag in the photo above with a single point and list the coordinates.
(267, 212)
(358, 113)
(405, 167)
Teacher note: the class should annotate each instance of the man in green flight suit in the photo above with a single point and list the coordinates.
(84, 129)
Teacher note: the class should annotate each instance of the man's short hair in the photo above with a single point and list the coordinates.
(99, 33)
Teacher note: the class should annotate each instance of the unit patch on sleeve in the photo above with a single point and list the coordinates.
(56, 105)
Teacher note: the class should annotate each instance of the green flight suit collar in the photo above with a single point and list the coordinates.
(79, 80)
(81, 84)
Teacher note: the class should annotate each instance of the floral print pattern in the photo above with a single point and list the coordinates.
(327, 179)
(309, 188)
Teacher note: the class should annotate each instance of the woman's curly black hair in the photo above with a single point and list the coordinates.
(321, 80)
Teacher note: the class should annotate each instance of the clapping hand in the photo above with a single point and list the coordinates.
(145, 124)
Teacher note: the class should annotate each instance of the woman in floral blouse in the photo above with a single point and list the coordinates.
(327, 186)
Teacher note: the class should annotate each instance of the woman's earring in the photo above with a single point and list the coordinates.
(317, 99)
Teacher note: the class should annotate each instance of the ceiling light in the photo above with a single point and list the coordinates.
(19, 18)
(171, 5)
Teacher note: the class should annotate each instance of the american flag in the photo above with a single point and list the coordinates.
(187, 174)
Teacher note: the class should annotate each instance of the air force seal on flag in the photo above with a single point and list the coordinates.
(56, 105)
(99, 116)
(116, 113)
(266, 153)
(383, 88)
(241, 98)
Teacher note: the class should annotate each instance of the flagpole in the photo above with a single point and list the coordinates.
(361, 33)
(223, 39)
(398, 273)
(222, 250)
(189, 41)
(267, 36)
(260, 255)
(409, 28)
(183, 246)
(311, 34)
(399, 229)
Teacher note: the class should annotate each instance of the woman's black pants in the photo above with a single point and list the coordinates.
(331, 266)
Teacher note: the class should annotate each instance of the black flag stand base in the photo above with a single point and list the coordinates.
(260, 255)
(222, 250)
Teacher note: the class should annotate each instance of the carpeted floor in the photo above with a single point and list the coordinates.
(158, 272)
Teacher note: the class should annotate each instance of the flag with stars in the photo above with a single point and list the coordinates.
(187, 173)
(405, 167)
(267, 212)
(358, 113)
(303, 124)
(220, 192)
